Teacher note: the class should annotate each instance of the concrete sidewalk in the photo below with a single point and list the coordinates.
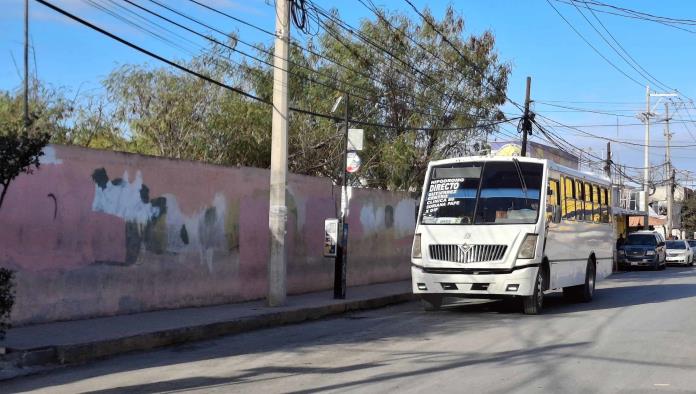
(38, 347)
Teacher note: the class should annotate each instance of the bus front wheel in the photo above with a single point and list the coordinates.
(534, 303)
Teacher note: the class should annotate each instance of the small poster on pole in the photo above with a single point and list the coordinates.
(330, 237)
(353, 162)
(355, 139)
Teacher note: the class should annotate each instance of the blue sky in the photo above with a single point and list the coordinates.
(530, 35)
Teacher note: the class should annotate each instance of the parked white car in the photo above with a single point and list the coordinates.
(692, 244)
(679, 251)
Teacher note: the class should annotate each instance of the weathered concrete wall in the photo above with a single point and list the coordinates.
(95, 233)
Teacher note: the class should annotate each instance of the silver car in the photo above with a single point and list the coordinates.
(679, 252)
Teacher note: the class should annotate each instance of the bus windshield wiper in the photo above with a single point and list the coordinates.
(522, 182)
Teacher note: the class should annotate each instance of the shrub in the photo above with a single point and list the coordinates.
(6, 299)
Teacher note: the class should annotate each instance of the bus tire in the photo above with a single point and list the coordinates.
(585, 291)
(431, 302)
(534, 304)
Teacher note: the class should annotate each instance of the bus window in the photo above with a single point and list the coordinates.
(579, 206)
(553, 187)
(587, 194)
(561, 196)
(596, 207)
(569, 206)
(552, 199)
(605, 205)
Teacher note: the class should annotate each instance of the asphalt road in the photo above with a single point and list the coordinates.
(638, 335)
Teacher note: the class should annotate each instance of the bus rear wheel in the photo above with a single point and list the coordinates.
(534, 304)
(431, 302)
(583, 292)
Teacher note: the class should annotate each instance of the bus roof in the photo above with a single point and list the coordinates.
(551, 164)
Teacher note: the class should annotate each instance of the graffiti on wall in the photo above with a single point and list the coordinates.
(157, 224)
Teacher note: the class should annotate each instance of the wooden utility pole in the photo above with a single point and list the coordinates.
(607, 164)
(526, 121)
(670, 187)
(278, 211)
(646, 158)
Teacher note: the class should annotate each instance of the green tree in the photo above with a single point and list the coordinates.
(175, 114)
(688, 216)
(6, 299)
(411, 76)
(21, 146)
(401, 73)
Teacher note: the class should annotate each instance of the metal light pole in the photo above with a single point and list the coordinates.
(340, 263)
(648, 114)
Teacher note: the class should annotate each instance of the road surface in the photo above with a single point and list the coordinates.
(638, 335)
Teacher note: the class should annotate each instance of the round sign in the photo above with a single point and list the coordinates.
(353, 162)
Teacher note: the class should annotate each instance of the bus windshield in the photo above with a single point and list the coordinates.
(490, 192)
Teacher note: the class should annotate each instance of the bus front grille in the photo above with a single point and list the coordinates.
(467, 253)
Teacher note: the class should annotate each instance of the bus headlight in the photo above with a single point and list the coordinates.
(528, 247)
(416, 250)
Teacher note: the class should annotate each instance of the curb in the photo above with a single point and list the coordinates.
(32, 361)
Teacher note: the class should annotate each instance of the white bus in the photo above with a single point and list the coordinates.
(492, 227)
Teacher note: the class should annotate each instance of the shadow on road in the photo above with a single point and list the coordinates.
(648, 275)
(366, 331)
(460, 361)
(624, 296)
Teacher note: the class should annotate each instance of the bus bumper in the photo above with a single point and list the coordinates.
(518, 282)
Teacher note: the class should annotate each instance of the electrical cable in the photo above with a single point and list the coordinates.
(355, 32)
(447, 40)
(232, 88)
(660, 83)
(411, 102)
(592, 46)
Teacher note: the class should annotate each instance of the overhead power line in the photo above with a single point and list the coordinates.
(614, 140)
(447, 40)
(408, 98)
(237, 90)
(593, 47)
(621, 47)
(630, 14)
(269, 53)
(411, 72)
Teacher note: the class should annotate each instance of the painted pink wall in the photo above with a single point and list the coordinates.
(77, 257)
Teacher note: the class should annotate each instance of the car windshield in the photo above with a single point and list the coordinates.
(676, 245)
(692, 243)
(493, 192)
(641, 239)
